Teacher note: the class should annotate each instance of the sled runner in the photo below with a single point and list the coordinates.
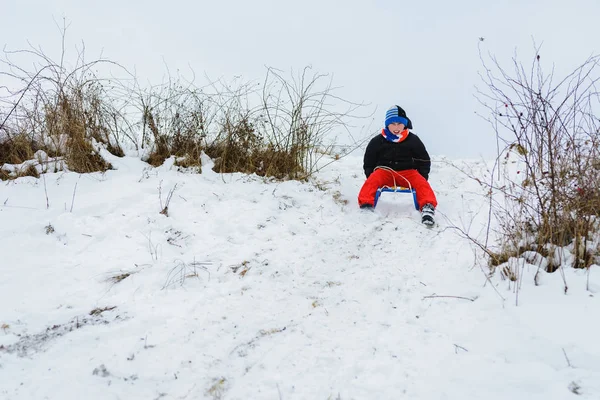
(397, 189)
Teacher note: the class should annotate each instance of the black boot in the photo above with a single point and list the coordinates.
(427, 214)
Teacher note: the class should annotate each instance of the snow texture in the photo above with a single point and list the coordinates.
(246, 288)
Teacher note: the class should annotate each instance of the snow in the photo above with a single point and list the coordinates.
(258, 289)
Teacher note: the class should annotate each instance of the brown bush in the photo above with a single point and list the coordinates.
(5, 175)
(66, 117)
(16, 150)
(71, 118)
(278, 164)
(59, 109)
(177, 131)
(274, 129)
(281, 136)
(235, 147)
(29, 170)
(81, 157)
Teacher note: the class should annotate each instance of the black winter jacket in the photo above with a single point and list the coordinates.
(407, 154)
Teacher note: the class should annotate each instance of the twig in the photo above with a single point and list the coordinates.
(450, 297)
(484, 249)
(21, 98)
(74, 191)
(160, 194)
(46, 191)
(146, 345)
(24, 207)
(151, 247)
(165, 210)
(567, 358)
(456, 347)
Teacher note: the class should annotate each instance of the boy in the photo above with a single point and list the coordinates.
(395, 158)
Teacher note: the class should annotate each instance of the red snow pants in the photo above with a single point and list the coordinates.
(384, 177)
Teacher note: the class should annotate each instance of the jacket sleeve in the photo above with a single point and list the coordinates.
(421, 158)
(370, 159)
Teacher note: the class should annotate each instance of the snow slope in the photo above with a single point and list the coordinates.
(251, 289)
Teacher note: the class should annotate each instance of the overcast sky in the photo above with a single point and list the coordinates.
(422, 55)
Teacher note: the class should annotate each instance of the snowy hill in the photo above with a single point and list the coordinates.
(273, 290)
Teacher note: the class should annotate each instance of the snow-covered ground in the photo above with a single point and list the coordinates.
(274, 290)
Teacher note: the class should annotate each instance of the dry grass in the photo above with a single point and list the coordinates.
(281, 136)
(16, 150)
(65, 131)
(61, 110)
(175, 122)
(81, 157)
(98, 311)
(241, 150)
(29, 170)
(275, 129)
(234, 148)
(119, 278)
(187, 147)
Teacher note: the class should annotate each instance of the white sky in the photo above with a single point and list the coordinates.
(420, 55)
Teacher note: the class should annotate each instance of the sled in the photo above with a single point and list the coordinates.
(397, 189)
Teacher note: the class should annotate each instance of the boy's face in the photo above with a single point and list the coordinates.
(396, 128)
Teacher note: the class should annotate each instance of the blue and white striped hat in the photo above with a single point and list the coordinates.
(397, 114)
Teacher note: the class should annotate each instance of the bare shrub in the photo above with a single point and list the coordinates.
(275, 129)
(175, 120)
(71, 119)
(164, 210)
(59, 109)
(284, 135)
(238, 142)
(545, 192)
(182, 271)
(237, 146)
(298, 118)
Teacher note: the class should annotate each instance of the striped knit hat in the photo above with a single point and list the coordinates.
(397, 114)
